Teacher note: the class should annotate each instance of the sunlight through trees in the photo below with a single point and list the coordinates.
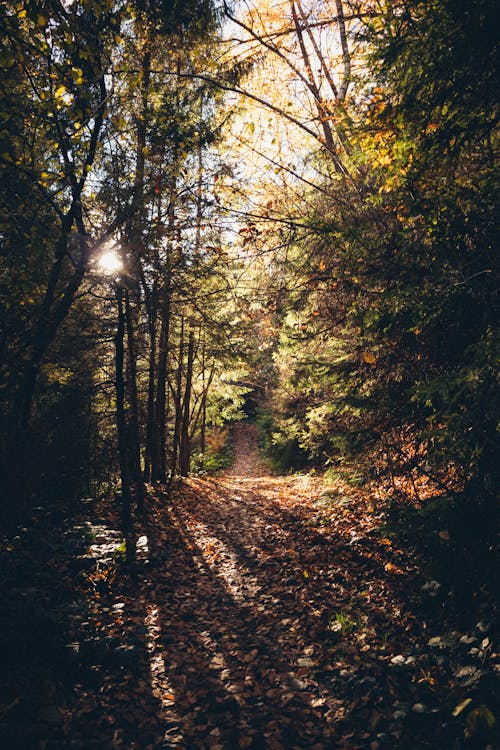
(282, 213)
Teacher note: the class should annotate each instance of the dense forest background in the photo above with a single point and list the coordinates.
(212, 209)
(233, 227)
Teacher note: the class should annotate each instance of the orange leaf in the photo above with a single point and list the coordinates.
(368, 357)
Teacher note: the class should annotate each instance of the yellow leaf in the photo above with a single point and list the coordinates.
(305, 574)
(384, 160)
(458, 709)
(368, 357)
(78, 73)
(22, 14)
(59, 92)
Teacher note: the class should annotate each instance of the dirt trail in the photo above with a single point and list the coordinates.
(247, 461)
(254, 616)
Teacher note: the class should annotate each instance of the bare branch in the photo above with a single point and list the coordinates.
(346, 56)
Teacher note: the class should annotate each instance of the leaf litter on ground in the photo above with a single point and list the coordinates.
(262, 612)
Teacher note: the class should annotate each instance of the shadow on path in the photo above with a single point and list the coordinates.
(246, 601)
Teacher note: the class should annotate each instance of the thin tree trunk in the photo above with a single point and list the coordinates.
(339, 95)
(148, 448)
(134, 234)
(161, 404)
(135, 443)
(323, 115)
(185, 442)
(203, 435)
(159, 460)
(46, 328)
(152, 308)
(121, 421)
(346, 56)
(199, 186)
(137, 212)
(178, 407)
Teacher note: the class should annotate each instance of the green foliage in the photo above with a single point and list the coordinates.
(219, 453)
(342, 622)
(226, 400)
(213, 463)
(393, 331)
(280, 445)
(440, 59)
(443, 308)
(183, 17)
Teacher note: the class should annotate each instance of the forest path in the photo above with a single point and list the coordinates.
(247, 460)
(264, 612)
(258, 628)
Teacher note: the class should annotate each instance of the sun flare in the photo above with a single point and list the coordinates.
(110, 262)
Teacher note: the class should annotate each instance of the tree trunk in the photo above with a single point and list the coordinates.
(152, 308)
(203, 435)
(178, 407)
(121, 421)
(135, 437)
(185, 442)
(134, 234)
(323, 114)
(148, 448)
(159, 461)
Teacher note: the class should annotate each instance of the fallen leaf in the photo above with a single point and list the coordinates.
(461, 706)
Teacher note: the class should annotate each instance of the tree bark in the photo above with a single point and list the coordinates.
(121, 422)
(158, 454)
(203, 435)
(178, 407)
(185, 442)
(135, 434)
(150, 415)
